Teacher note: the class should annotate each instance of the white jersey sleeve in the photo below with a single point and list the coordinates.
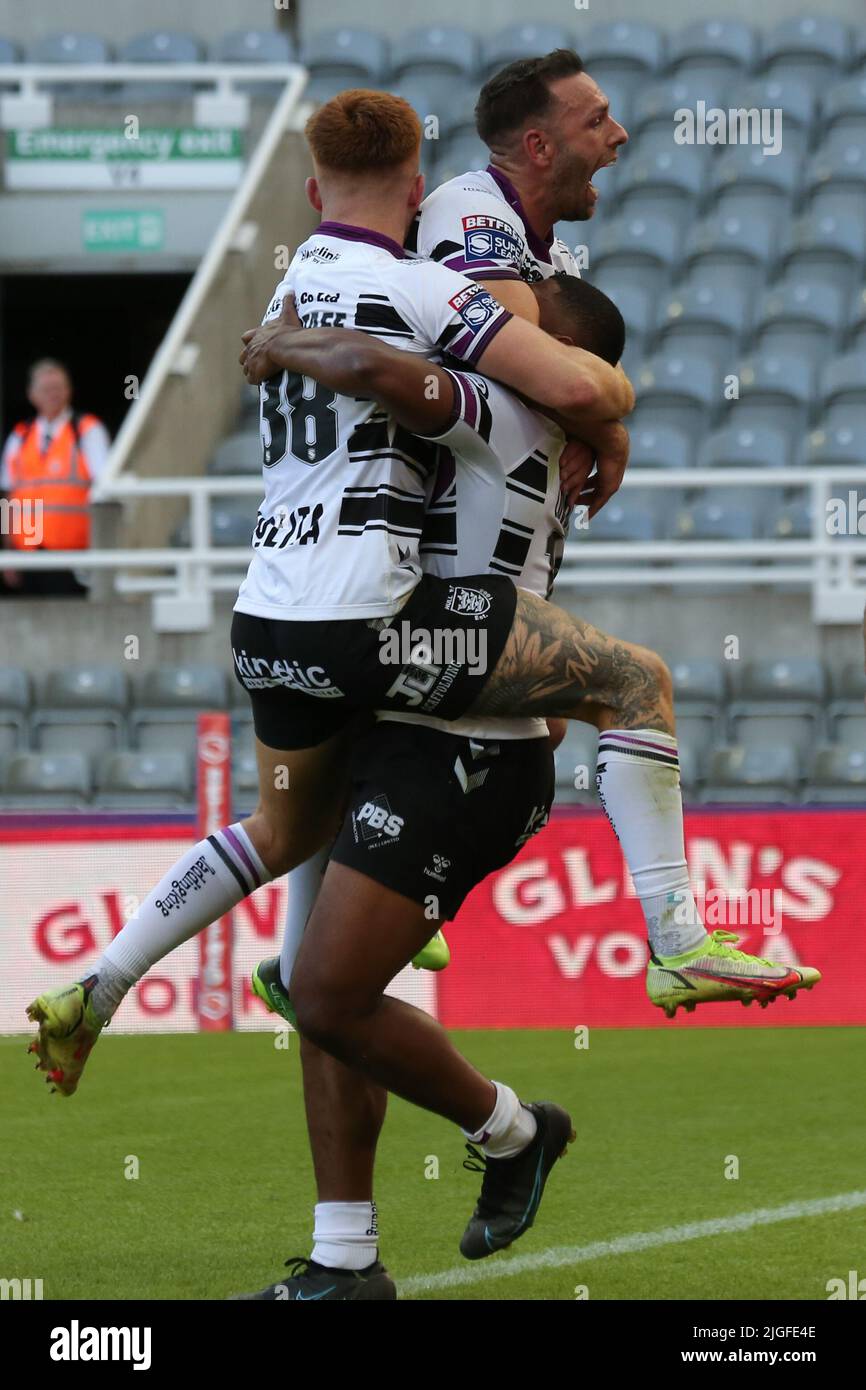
(442, 309)
(472, 231)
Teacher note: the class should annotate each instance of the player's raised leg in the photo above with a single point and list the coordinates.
(556, 664)
(299, 793)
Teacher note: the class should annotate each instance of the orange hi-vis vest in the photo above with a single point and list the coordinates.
(58, 480)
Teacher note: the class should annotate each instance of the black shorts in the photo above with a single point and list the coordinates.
(307, 680)
(431, 814)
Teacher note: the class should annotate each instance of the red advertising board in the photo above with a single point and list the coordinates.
(214, 774)
(557, 939)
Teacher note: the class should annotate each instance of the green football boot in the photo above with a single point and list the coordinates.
(268, 986)
(718, 973)
(434, 956)
(68, 1030)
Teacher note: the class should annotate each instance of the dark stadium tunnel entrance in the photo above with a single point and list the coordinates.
(105, 328)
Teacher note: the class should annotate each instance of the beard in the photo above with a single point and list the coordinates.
(572, 177)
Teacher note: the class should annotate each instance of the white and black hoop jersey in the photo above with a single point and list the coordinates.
(338, 532)
(496, 507)
(475, 225)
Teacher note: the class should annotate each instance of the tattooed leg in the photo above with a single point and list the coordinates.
(554, 664)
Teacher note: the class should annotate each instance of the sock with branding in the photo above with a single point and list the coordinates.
(638, 781)
(508, 1130)
(346, 1234)
(205, 883)
(304, 884)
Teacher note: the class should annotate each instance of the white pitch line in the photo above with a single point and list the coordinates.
(559, 1255)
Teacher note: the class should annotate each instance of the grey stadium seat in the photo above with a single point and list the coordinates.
(849, 729)
(856, 330)
(144, 781)
(741, 446)
(241, 453)
(47, 781)
(745, 174)
(808, 314)
(522, 41)
(842, 388)
(849, 684)
(232, 522)
(575, 760)
(636, 304)
(778, 701)
(635, 250)
(456, 156)
(692, 755)
(355, 56)
(626, 517)
(714, 519)
(82, 708)
(661, 181)
(765, 773)
(838, 775)
(702, 319)
(676, 390)
(836, 175)
(245, 780)
(458, 116)
(436, 48)
(699, 685)
(846, 714)
(654, 106)
(15, 701)
(169, 699)
(659, 446)
(719, 46)
(160, 46)
(633, 50)
(69, 48)
(790, 520)
(813, 46)
(776, 390)
(733, 248)
(825, 247)
(254, 46)
(839, 446)
(789, 94)
(843, 108)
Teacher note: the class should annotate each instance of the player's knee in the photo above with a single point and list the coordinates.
(278, 850)
(655, 670)
(320, 1017)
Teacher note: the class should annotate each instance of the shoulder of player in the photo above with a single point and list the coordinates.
(474, 187)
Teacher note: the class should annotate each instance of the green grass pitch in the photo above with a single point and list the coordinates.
(224, 1193)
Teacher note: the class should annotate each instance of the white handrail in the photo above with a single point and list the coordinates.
(27, 75)
(200, 284)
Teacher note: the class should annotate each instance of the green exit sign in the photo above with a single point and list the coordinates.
(111, 230)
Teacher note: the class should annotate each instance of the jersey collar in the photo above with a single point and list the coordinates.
(347, 233)
(539, 246)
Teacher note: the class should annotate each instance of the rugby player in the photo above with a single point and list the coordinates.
(433, 803)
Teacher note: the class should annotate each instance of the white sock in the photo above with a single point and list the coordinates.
(508, 1130)
(205, 883)
(638, 781)
(346, 1234)
(304, 884)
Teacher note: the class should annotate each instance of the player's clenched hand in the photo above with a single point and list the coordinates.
(256, 356)
(612, 447)
(575, 466)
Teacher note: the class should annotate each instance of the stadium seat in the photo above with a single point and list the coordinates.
(630, 516)
(838, 776)
(351, 55)
(654, 107)
(740, 446)
(848, 729)
(436, 49)
(637, 305)
(699, 686)
(636, 251)
(778, 701)
(680, 391)
(789, 520)
(454, 157)
(775, 390)
(82, 707)
(716, 519)
(825, 247)
(736, 248)
(46, 781)
(232, 522)
(254, 46)
(855, 334)
(660, 182)
(842, 389)
(622, 48)
(158, 781)
(457, 117)
(719, 47)
(810, 315)
(15, 701)
(697, 736)
(745, 178)
(843, 109)
(245, 781)
(812, 47)
(836, 175)
(702, 319)
(241, 453)
(160, 46)
(763, 773)
(69, 48)
(9, 54)
(168, 702)
(849, 687)
(835, 446)
(660, 446)
(522, 41)
(575, 761)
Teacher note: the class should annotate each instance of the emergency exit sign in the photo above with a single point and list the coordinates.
(113, 230)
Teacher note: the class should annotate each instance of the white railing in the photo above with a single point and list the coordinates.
(833, 567)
